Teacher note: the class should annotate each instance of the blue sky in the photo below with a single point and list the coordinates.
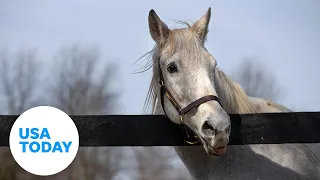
(284, 34)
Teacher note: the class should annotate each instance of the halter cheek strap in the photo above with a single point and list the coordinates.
(182, 111)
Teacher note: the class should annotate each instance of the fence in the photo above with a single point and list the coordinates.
(150, 130)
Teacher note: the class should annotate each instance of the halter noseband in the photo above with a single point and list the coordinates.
(182, 111)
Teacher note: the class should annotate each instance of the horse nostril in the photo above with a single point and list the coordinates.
(207, 129)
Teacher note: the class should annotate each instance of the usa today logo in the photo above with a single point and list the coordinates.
(44, 140)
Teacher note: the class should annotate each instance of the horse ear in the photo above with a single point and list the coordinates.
(159, 30)
(201, 26)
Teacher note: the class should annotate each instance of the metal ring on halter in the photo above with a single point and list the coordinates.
(192, 142)
(189, 142)
(181, 118)
(161, 82)
(195, 142)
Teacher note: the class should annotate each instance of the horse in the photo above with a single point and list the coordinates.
(189, 88)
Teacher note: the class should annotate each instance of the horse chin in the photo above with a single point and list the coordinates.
(214, 151)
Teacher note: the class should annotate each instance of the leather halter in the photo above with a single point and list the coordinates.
(182, 111)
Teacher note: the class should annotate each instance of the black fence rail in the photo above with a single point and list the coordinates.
(151, 130)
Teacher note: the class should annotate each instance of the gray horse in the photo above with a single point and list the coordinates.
(189, 72)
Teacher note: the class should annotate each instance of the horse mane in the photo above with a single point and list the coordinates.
(233, 97)
(151, 102)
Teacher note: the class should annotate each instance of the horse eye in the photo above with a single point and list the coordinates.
(172, 68)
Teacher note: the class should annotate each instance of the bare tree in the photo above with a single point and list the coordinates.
(258, 81)
(19, 76)
(81, 88)
(77, 86)
(19, 73)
